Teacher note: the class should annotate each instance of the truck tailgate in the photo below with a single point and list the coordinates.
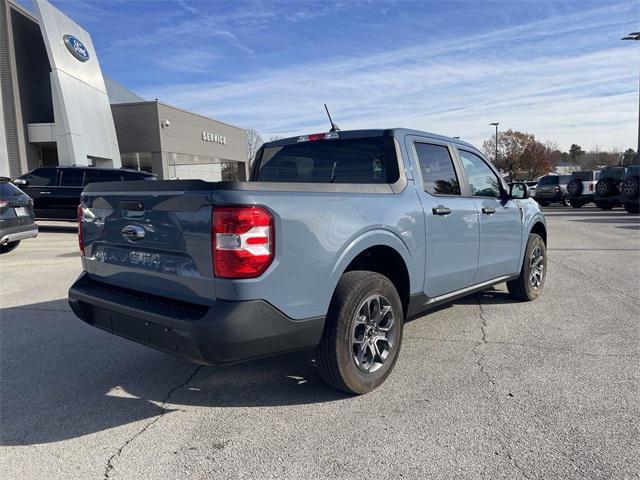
(154, 239)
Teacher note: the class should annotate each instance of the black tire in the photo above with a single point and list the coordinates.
(576, 204)
(605, 187)
(523, 288)
(9, 247)
(566, 202)
(543, 204)
(574, 187)
(629, 187)
(337, 361)
(632, 208)
(606, 205)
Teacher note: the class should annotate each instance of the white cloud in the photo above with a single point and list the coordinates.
(569, 86)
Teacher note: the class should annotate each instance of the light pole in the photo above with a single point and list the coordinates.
(636, 36)
(495, 124)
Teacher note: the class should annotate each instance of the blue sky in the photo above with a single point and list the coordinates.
(555, 69)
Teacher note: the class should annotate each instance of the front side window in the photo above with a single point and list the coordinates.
(482, 181)
(42, 177)
(354, 160)
(438, 174)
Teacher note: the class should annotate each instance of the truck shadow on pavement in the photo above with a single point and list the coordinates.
(62, 379)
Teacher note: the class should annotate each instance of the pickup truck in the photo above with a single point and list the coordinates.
(335, 241)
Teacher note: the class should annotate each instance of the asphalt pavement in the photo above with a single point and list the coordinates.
(484, 388)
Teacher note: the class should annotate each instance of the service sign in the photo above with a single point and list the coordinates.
(76, 47)
(214, 138)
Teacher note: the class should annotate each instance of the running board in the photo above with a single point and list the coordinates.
(419, 302)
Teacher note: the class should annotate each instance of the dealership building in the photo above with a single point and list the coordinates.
(58, 109)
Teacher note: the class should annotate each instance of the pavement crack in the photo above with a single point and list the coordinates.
(597, 281)
(110, 462)
(492, 384)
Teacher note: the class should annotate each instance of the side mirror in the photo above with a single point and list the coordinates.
(20, 181)
(519, 190)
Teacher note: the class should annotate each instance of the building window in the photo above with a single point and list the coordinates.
(137, 161)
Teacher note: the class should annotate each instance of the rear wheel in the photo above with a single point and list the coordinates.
(362, 334)
(606, 205)
(9, 246)
(529, 284)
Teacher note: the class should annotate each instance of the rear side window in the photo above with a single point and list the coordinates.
(71, 177)
(95, 176)
(356, 160)
(438, 174)
(42, 177)
(482, 181)
(564, 179)
(549, 181)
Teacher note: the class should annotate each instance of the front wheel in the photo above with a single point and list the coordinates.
(362, 334)
(566, 202)
(576, 204)
(529, 284)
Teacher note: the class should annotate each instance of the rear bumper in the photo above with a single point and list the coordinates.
(15, 234)
(227, 332)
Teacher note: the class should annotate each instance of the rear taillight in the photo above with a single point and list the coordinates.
(80, 234)
(243, 241)
(557, 189)
(591, 187)
(3, 204)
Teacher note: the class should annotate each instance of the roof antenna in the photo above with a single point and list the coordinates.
(334, 127)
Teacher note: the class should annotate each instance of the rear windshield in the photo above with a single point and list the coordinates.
(9, 190)
(564, 179)
(584, 176)
(356, 160)
(615, 172)
(548, 181)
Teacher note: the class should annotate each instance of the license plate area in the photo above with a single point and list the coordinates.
(21, 212)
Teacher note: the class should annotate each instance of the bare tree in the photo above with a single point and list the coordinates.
(511, 147)
(254, 142)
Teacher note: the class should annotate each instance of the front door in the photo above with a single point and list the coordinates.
(500, 220)
(451, 221)
(41, 185)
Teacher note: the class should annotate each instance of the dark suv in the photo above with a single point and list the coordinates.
(607, 194)
(629, 189)
(56, 190)
(16, 216)
(552, 189)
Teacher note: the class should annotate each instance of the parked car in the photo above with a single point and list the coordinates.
(552, 189)
(56, 190)
(335, 241)
(629, 189)
(607, 192)
(16, 216)
(581, 187)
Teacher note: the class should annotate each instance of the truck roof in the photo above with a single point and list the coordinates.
(378, 132)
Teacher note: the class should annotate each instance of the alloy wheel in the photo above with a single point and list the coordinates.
(373, 333)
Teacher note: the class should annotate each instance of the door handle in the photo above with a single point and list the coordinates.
(443, 211)
(488, 210)
(44, 193)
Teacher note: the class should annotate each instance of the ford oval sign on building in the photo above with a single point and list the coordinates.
(76, 47)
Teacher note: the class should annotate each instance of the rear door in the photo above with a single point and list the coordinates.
(500, 219)
(451, 221)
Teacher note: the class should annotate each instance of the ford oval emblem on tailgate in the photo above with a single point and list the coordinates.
(133, 233)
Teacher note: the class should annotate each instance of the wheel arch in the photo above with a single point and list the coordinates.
(381, 252)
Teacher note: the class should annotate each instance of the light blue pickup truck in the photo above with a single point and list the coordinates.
(338, 238)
